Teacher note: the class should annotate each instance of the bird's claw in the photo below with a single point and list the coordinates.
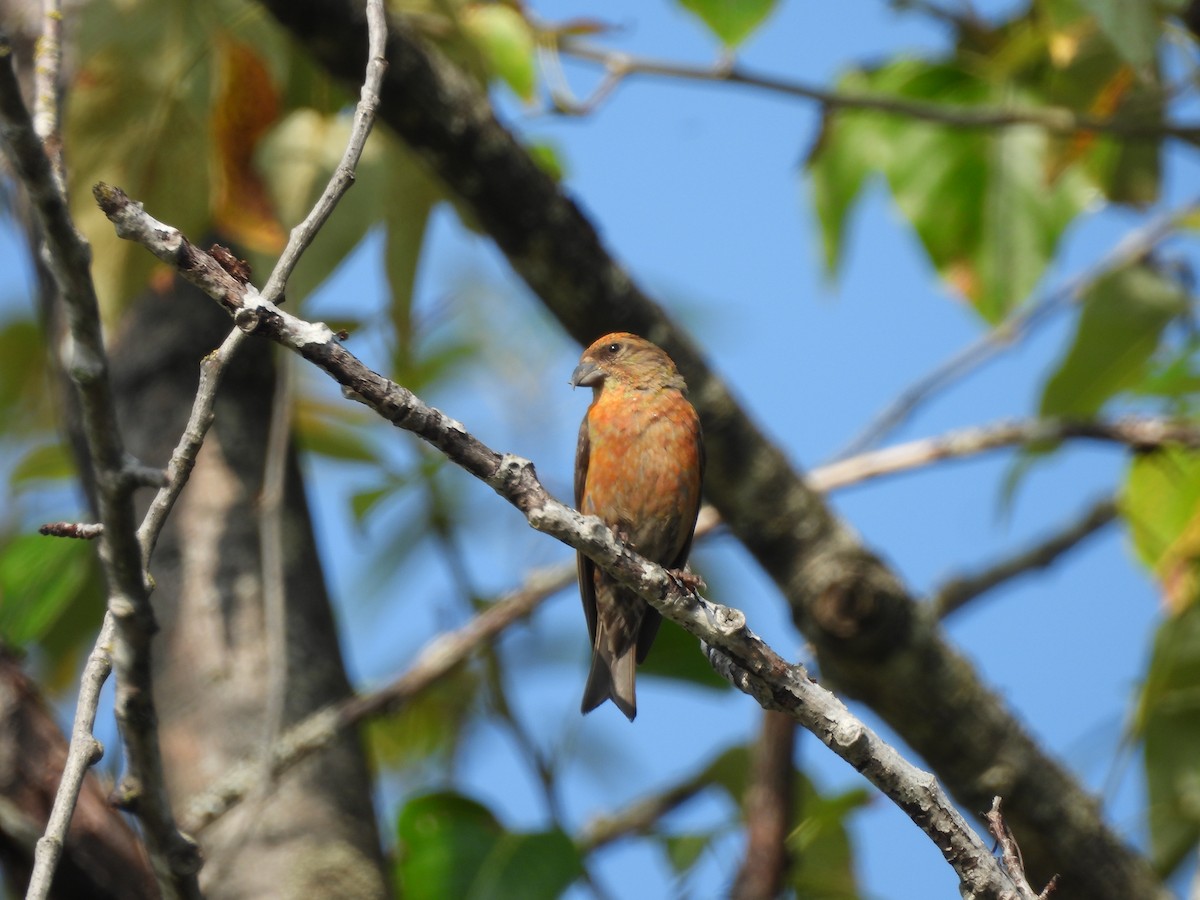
(689, 581)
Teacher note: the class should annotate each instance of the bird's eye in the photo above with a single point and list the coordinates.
(614, 347)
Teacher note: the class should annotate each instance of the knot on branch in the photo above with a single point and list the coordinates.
(185, 856)
(249, 318)
(728, 620)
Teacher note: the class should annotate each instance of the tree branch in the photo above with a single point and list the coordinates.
(175, 857)
(641, 815)
(768, 812)
(1057, 120)
(734, 650)
(1139, 433)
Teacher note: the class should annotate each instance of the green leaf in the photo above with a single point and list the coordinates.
(44, 581)
(1169, 722)
(332, 430)
(539, 865)
(979, 200)
(549, 158)
(730, 770)
(25, 396)
(1131, 25)
(444, 840)
(426, 730)
(847, 151)
(506, 41)
(1123, 317)
(1161, 508)
(44, 462)
(732, 21)
(822, 852)
(684, 850)
(677, 655)
(452, 846)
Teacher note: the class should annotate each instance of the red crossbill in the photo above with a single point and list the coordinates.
(638, 466)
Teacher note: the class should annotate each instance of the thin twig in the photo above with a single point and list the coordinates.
(1141, 433)
(958, 592)
(175, 858)
(641, 816)
(1010, 853)
(83, 752)
(270, 527)
(735, 651)
(47, 86)
(183, 457)
(1131, 248)
(83, 531)
(1057, 120)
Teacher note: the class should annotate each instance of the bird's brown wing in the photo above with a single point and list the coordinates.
(585, 567)
(681, 560)
(653, 618)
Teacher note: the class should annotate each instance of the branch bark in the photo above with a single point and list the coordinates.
(1057, 120)
(868, 631)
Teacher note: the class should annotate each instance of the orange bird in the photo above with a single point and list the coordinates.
(638, 466)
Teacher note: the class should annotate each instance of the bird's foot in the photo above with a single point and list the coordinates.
(687, 580)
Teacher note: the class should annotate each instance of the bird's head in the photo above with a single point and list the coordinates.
(626, 360)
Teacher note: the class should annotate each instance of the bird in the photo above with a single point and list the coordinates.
(639, 467)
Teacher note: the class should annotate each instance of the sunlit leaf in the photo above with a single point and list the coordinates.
(1131, 26)
(507, 44)
(43, 581)
(43, 462)
(391, 189)
(548, 157)
(732, 21)
(1123, 317)
(332, 430)
(846, 152)
(1094, 78)
(821, 847)
(1161, 508)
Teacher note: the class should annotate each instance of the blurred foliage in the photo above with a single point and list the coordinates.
(732, 23)
(990, 204)
(452, 846)
(1120, 328)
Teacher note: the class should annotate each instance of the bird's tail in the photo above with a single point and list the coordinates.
(611, 678)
